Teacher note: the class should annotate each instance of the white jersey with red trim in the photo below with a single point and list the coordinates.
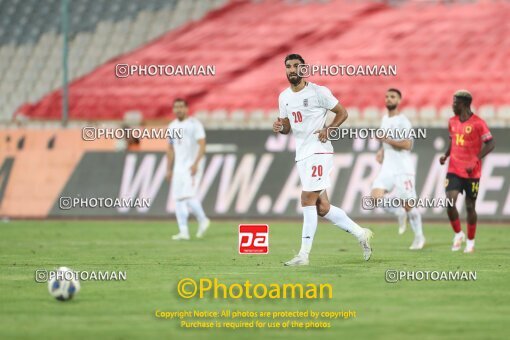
(397, 161)
(307, 112)
(186, 148)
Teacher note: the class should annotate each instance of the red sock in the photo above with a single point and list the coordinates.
(471, 231)
(456, 226)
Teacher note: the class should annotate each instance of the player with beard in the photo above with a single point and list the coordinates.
(470, 142)
(185, 167)
(397, 171)
(303, 109)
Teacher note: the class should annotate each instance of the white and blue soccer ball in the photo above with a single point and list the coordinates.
(63, 284)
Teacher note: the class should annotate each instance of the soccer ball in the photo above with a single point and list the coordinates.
(63, 284)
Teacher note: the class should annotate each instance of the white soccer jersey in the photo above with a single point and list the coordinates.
(186, 149)
(396, 161)
(307, 112)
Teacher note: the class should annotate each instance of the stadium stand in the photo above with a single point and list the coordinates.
(31, 40)
(437, 49)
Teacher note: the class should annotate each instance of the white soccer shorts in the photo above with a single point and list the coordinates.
(314, 171)
(184, 185)
(404, 184)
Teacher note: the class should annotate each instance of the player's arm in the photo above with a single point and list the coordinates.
(488, 140)
(340, 117)
(405, 144)
(379, 156)
(170, 161)
(444, 157)
(282, 125)
(487, 148)
(200, 155)
(402, 144)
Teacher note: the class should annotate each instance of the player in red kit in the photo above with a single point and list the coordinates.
(470, 141)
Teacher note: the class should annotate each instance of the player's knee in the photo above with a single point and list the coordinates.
(452, 201)
(308, 198)
(451, 196)
(451, 209)
(470, 208)
(323, 208)
(377, 193)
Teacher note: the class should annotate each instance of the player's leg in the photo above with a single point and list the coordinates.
(405, 187)
(311, 173)
(182, 214)
(188, 191)
(471, 193)
(196, 206)
(383, 184)
(416, 225)
(310, 220)
(453, 216)
(179, 193)
(340, 219)
(453, 186)
(198, 211)
(451, 210)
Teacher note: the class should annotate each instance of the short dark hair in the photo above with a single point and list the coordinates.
(466, 101)
(397, 91)
(294, 56)
(181, 100)
(464, 96)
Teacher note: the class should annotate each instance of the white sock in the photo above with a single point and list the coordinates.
(196, 208)
(182, 213)
(415, 222)
(310, 218)
(339, 218)
(470, 243)
(398, 211)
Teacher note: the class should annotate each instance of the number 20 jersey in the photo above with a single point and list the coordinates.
(307, 111)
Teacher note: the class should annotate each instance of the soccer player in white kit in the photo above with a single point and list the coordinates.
(303, 109)
(397, 171)
(185, 166)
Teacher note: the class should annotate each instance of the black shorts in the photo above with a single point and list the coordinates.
(467, 185)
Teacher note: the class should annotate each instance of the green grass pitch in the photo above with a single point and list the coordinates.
(154, 264)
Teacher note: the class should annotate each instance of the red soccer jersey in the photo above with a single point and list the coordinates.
(467, 140)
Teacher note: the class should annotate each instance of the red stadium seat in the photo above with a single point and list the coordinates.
(437, 49)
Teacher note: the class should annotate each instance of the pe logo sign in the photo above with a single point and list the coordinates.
(253, 239)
